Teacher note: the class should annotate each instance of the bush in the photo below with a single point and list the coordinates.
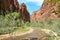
(6, 30)
(53, 25)
(10, 20)
(9, 23)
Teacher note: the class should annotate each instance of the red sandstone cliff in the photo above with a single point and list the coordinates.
(12, 5)
(47, 11)
(24, 14)
(9, 5)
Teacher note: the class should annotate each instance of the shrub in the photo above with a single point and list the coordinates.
(9, 23)
(6, 30)
(10, 20)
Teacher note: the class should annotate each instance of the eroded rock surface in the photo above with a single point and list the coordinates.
(9, 5)
(24, 14)
(12, 6)
(49, 10)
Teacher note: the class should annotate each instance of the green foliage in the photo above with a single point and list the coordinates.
(58, 5)
(50, 22)
(53, 25)
(27, 24)
(56, 1)
(10, 20)
(9, 23)
(6, 30)
(47, 1)
(18, 23)
(51, 0)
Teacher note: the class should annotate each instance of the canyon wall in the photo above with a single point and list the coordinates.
(48, 11)
(13, 6)
(9, 5)
(24, 14)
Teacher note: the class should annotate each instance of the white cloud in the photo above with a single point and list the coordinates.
(37, 2)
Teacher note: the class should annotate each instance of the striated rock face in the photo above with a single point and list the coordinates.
(24, 14)
(9, 5)
(14, 4)
(48, 11)
(35, 16)
(6, 4)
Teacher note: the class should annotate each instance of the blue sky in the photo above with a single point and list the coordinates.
(32, 5)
